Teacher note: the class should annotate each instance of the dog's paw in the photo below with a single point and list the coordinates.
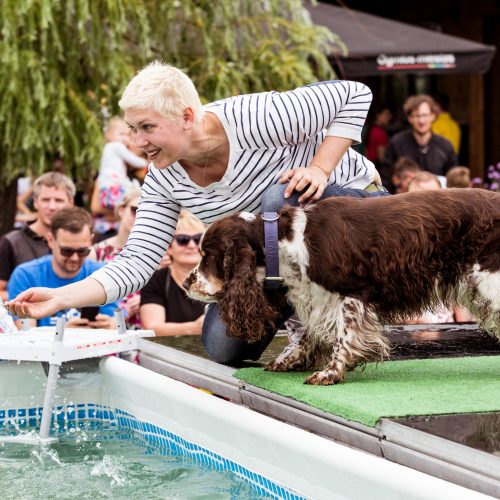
(324, 377)
(289, 360)
(276, 366)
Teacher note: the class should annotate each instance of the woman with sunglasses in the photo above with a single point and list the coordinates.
(106, 250)
(252, 153)
(165, 308)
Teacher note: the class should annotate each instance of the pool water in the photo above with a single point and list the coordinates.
(95, 460)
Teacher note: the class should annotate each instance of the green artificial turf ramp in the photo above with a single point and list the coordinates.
(395, 388)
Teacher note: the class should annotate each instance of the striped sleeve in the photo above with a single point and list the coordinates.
(153, 230)
(339, 107)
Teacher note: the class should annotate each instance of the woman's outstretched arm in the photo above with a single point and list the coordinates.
(42, 302)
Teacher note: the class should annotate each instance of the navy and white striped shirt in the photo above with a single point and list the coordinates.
(269, 133)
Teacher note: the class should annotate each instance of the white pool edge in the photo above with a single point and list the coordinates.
(276, 458)
(304, 462)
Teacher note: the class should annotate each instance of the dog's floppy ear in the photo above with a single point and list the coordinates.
(243, 307)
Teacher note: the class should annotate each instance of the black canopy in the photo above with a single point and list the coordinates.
(378, 46)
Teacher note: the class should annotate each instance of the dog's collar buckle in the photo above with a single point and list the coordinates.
(273, 279)
(270, 216)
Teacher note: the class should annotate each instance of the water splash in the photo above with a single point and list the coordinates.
(46, 456)
(13, 426)
(109, 463)
(106, 467)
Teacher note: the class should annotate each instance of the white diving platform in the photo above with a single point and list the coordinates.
(40, 344)
(56, 346)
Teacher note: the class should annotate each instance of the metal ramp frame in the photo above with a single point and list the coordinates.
(57, 347)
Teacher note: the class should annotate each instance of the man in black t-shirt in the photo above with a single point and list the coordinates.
(432, 152)
(52, 191)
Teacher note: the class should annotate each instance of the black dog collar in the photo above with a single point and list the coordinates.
(273, 279)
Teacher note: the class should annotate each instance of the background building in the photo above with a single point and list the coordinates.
(472, 84)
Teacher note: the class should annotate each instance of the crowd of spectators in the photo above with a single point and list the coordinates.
(54, 243)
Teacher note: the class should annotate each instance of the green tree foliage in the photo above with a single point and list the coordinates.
(64, 64)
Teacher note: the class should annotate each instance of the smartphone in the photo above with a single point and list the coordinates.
(89, 312)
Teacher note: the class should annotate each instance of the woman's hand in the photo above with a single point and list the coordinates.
(36, 303)
(312, 180)
(315, 176)
(198, 325)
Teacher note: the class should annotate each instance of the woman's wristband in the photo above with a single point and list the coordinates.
(321, 168)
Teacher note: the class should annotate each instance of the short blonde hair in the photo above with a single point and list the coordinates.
(164, 88)
(55, 180)
(189, 221)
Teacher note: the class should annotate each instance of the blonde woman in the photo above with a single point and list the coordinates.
(165, 308)
(250, 153)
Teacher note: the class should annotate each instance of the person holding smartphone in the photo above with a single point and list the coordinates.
(69, 240)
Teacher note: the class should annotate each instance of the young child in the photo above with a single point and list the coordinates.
(458, 177)
(112, 180)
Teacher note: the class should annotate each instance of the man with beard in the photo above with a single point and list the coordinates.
(431, 151)
(69, 240)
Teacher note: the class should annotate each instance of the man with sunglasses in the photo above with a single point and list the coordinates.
(69, 239)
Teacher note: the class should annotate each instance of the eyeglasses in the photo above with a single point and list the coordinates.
(68, 251)
(184, 239)
(422, 116)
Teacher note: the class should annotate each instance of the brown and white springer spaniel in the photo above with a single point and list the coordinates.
(351, 265)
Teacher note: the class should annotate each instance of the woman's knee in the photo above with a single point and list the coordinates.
(218, 345)
(217, 351)
(273, 198)
(226, 350)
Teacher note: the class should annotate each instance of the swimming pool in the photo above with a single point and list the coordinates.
(275, 459)
(99, 460)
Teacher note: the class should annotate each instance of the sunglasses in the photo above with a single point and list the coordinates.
(184, 239)
(68, 251)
